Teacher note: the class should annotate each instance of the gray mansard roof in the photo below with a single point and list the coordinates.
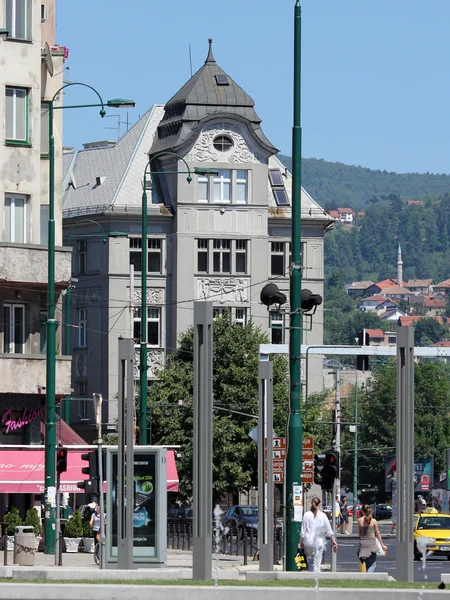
(201, 99)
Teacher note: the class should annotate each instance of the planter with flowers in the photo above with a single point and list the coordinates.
(73, 532)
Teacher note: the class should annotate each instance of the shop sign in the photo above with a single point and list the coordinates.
(28, 415)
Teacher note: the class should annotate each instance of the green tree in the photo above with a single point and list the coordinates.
(235, 389)
(430, 329)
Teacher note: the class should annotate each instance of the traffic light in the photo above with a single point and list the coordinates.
(326, 468)
(332, 463)
(61, 460)
(91, 485)
(270, 294)
(310, 301)
(362, 360)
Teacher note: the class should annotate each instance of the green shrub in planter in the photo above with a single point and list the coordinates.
(87, 531)
(12, 520)
(74, 526)
(32, 519)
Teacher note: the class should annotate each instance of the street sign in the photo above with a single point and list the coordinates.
(279, 454)
(307, 477)
(307, 442)
(308, 454)
(278, 477)
(278, 465)
(279, 443)
(308, 465)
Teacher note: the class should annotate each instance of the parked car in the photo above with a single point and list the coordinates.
(243, 517)
(179, 516)
(383, 511)
(358, 510)
(436, 527)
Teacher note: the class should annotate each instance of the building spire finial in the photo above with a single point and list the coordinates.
(210, 58)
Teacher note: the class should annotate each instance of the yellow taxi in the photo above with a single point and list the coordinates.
(435, 526)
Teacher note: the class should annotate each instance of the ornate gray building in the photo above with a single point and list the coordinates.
(220, 237)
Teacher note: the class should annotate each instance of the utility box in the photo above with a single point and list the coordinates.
(24, 546)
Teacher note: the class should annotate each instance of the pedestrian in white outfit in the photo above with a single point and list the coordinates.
(315, 529)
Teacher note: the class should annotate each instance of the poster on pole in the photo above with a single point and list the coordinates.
(423, 474)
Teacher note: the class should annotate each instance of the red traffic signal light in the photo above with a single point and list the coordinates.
(61, 460)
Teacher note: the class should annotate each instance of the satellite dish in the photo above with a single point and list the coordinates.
(47, 56)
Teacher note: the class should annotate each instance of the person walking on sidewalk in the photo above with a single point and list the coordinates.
(315, 529)
(368, 534)
(344, 514)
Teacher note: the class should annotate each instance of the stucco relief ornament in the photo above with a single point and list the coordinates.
(155, 362)
(241, 151)
(87, 296)
(154, 296)
(222, 290)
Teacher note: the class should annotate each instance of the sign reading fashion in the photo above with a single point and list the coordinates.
(28, 415)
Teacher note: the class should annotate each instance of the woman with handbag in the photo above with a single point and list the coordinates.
(315, 529)
(370, 542)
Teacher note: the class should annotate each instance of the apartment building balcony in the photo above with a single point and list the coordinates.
(27, 263)
(26, 374)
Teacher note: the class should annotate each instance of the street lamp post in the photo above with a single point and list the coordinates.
(143, 366)
(355, 459)
(50, 404)
(294, 428)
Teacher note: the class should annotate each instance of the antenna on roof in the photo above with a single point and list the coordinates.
(190, 58)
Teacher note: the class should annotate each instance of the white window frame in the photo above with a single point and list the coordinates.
(241, 182)
(222, 181)
(240, 316)
(11, 5)
(220, 311)
(13, 346)
(278, 248)
(154, 314)
(203, 183)
(11, 235)
(154, 246)
(14, 138)
(82, 327)
(43, 13)
(241, 248)
(203, 249)
(222, 247)
(276, 322)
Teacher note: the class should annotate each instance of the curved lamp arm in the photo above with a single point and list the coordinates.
(169, 153)
(87, 221)
(102, 110)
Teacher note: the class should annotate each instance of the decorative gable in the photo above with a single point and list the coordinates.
(241, 151)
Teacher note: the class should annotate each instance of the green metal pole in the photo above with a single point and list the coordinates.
(143, 349)
(355, 463)
(294, 429)
(50, 404)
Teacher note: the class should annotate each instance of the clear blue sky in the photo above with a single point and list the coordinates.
(375, 74)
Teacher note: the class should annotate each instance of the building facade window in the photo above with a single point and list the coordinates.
(280, 257)
(43, 332)
(15, 218)
(228, 186)
(45, 140)
(228, 256)
(153, 326)
(82, 255)
(241, 256)
(276, 321)
(17, 19)
(277, 258)
(241, 317)
(241, 187)
(202, 256)
(82, 328)
(223, 143)
(44, 224)
(222, 256)
(14, 328)
(154, 255)
(16, 115)
(220, 311)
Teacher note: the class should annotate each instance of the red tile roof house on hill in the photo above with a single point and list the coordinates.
(444, 286)
(419, 286)
(409, 321)
(358, 288)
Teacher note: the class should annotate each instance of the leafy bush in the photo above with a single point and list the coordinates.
(32, 519)
(74, 526)
(12, 520)
(87, 531)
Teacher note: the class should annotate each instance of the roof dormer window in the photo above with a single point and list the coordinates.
(223, 143)
(222, 79)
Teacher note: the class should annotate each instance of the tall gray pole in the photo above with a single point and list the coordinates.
(265, 466)
(405, 453)
(125, 466)
(98, 401)
(337, 447)
(202, 443)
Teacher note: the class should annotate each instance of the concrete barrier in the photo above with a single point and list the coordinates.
(29, 591)
(306, 575)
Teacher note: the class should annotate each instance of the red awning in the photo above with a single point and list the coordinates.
(64, 433)
(22, 471)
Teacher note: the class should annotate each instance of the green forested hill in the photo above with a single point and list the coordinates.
(368, 250)
(335, 184)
